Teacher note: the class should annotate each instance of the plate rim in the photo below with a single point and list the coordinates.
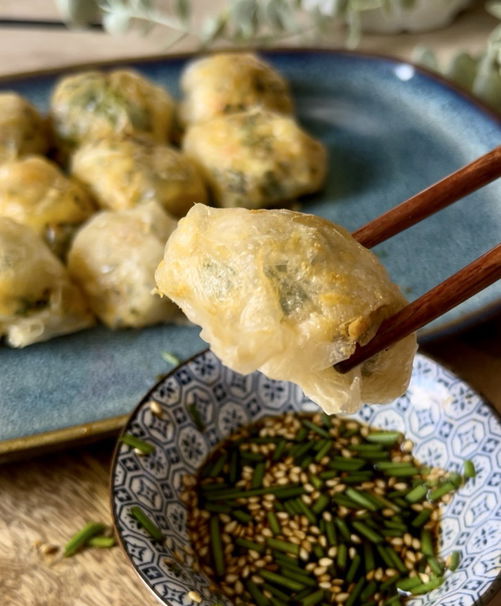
(39, 443)
(114, 462)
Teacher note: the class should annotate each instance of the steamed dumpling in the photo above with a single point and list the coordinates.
(289, 294)
(122, 173)
(37, 299)
(113, 258)
(97, 104)
(231, 82)
(34, 192)
(256, 159)
(23, 131)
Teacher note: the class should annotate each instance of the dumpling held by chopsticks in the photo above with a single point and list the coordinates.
(289, 294)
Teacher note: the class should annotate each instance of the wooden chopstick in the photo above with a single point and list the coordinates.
(464, 181)
(451, 292)
(454, 290)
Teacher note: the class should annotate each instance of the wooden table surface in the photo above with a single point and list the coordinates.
(45, 500)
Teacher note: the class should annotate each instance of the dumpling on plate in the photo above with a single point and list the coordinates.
(113, 258)
(38, 301)
(34, 191)
(231, 82)
(122, 173)
(256, 159)
(23, 130)
(289, 294)
(98, 104)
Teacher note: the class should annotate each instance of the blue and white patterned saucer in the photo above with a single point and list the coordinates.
(446, 420)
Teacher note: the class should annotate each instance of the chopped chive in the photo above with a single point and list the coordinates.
(299, 577)
(305, 463)
(369, 559)
(279, 450)
(393, 601)
(276, 592)
(258, 475)
(278, 579)
(81, 538)
(256, 594)
(408, 583)
(146, 522)
(240, 515)
(217, 508)
(284, 546)
(421, 518)
(442, 490)
(170, 358)
(273, 522)
(391, 465)
(383, 552)
(248, 455)
(330, 531)
(343, 528)
(366, 447)
(316, 482)
(355, 592)
(251, 545)
(426, 543)
(306, 511)
(469, 469)
(343, 464)
(234, 467)
(396, 559)
(218, 464)
(367, 532)
(196, 416)
(313, 598)
(134, 442)
(342, 552)
(216, 546)
(358, 477)
(320, 504)
(455, 478)
(102, 542)
(416, 494)
(282, 492)
(454, 559)
(361, 499)
(316, 428)
(435, 565)
(355, 563)
(368, 591)
(323, 451)
(386, 438)
(301, 435)
(433, 583)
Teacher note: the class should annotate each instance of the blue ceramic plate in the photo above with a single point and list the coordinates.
(444, 418)
(391, 130)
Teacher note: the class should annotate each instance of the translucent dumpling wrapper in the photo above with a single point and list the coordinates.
(256, 159)
(96, 104)
(231, 82)
(125, 172)
(113, 258)
(38, 301)
(23, 130)
(289, 294)
(34, 192)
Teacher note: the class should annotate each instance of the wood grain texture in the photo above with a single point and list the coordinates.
(44, 502)
(50, 498)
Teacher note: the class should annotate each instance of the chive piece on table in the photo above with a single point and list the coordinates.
(134, 442)
(148, 524)
(102, 542)
(469, 469)
(81, 538)
(216, 546)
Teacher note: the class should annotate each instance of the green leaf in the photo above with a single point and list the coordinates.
(213, 28)
(182, 9)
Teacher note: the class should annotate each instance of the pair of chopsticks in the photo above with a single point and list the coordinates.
(454, 290)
